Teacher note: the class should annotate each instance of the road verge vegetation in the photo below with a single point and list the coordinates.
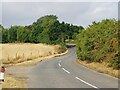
(17, 53)
(100, 67)
(14, 81)
(99, 44)
(25, 54)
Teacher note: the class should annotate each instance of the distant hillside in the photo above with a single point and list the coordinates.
(99, 43)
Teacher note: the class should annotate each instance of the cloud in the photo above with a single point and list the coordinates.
(98, 11)
(60, 0)
(79, 13)
(0, 13)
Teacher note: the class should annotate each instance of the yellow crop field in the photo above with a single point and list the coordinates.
(17, 53)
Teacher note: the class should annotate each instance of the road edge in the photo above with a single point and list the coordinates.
(35, 61)
(87, 65)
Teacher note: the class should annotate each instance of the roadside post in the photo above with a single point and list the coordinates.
(2, 73)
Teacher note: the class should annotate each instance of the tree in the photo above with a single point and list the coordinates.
(12, 34)
(36, 30)
(23, 35)
(99, 43)
(4, 36)
(46, 29)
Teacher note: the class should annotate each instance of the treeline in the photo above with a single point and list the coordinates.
(99, 43)
(46, 29)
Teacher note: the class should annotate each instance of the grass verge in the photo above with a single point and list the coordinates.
(14, 81)
(100, 67)
(21, 52)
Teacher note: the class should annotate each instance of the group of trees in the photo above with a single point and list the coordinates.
(99, 43)
(15, 34)
(46, 29)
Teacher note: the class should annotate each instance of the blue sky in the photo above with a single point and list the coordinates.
(17, 12)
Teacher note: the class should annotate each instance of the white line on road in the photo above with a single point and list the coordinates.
(59, 65)
(66, 70)
(86, 82)
(78, 77)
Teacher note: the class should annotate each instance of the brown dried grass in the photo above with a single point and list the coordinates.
(100, 67)
(13, 81)
(17, 53)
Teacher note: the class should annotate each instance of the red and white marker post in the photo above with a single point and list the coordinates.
(2, 73)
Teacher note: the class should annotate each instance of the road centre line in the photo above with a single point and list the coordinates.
(59, 65)
(66, 70)
(86, 82)
(78, 77)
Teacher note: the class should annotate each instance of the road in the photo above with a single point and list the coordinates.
(65, 72)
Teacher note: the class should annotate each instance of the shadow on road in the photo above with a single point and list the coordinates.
(70, 45)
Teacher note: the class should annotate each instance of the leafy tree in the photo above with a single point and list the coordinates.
(1, 33)
(23, 35)
(44, 37)
(46, 29)
(12, 34)
(35, 33)
(99, 42)
(4, 36)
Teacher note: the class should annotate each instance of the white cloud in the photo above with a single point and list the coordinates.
(0, 12)
(105, 10)
(80, 13)
(99, 11)
(60, 0)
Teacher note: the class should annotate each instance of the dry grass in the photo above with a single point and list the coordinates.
(100, 67)
(25, 54)
(17, 53)
(14, 81)
(0, 54)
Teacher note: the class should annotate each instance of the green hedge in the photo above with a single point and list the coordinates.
(99, 43)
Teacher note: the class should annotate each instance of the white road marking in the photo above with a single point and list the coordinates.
(59, 65)
(86, 82)
(78, 77)
(66, 70)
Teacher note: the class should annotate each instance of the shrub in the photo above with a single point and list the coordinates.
(98, 41)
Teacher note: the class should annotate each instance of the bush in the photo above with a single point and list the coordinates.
(99, 42)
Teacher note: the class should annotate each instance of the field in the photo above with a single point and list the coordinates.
(13, 54)
(17, 53)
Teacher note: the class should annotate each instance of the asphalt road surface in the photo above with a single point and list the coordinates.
(65, 72)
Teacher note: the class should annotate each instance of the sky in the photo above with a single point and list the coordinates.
(75, 12)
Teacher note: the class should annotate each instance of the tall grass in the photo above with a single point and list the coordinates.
(17, 53)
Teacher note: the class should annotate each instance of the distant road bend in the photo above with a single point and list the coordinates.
(65, 72)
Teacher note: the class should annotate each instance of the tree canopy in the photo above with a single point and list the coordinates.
(99, 43)
(46, 29)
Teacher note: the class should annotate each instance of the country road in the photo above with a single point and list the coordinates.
(65, 72)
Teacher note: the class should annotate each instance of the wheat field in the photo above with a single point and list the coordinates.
(17, 53)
